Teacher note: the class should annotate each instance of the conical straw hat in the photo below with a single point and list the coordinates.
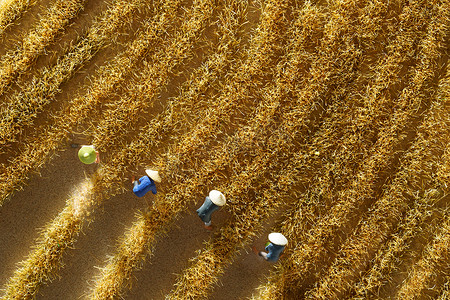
(217, 198)
(277, 239)
(87, 154)
(153, 175)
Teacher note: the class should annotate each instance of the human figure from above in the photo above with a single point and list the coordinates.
(88, 155)
(146, 183)
(274, 248)
(212, 202)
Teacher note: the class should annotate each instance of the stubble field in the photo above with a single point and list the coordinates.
(327, 121)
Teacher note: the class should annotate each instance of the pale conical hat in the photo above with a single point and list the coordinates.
(153, 175)
(217, 198)
(277, 238)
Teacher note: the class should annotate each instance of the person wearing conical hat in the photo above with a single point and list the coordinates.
(146, 183)
(275, 246)
(88, 155)
(212, 202)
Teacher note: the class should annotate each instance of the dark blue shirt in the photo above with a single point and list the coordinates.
(206, 210)
(145, 184)
(274, 251)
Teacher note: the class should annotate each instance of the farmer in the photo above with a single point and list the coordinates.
(274, 247)
(88, 155)
(212, 203)
(145, 183)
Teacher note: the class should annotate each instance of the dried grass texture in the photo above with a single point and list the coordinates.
(322, 186)
(329, 109)
(11, 10)
(28, 278)
(19, 60)
(109, 78)
(26, 104)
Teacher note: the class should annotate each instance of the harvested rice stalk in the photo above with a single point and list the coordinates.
(109, 78)
(279, 282)
(24, 105)
(19, 60)
(11, 10)
(433, 261)
(415, 175)
(386, 259)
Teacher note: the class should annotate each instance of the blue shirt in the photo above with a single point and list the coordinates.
(274, 252)
(145, 184)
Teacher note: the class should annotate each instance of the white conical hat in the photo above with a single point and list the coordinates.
(153, 175)
(277, 238)
(217, 198)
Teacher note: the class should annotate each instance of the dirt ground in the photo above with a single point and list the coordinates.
(45, 196)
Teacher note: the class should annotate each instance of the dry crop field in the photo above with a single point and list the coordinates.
(327, 121)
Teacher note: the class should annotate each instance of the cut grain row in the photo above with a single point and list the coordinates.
(386, 259)
(11, 10)
(321, 190)
(24, 106)
(134, 247)
(19, 60)
(61, 233)
(108, 79)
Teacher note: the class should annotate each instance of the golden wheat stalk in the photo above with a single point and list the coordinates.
(11, 10)
(24, 105)
(19, 60)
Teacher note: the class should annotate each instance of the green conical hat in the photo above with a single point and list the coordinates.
(87, 155)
